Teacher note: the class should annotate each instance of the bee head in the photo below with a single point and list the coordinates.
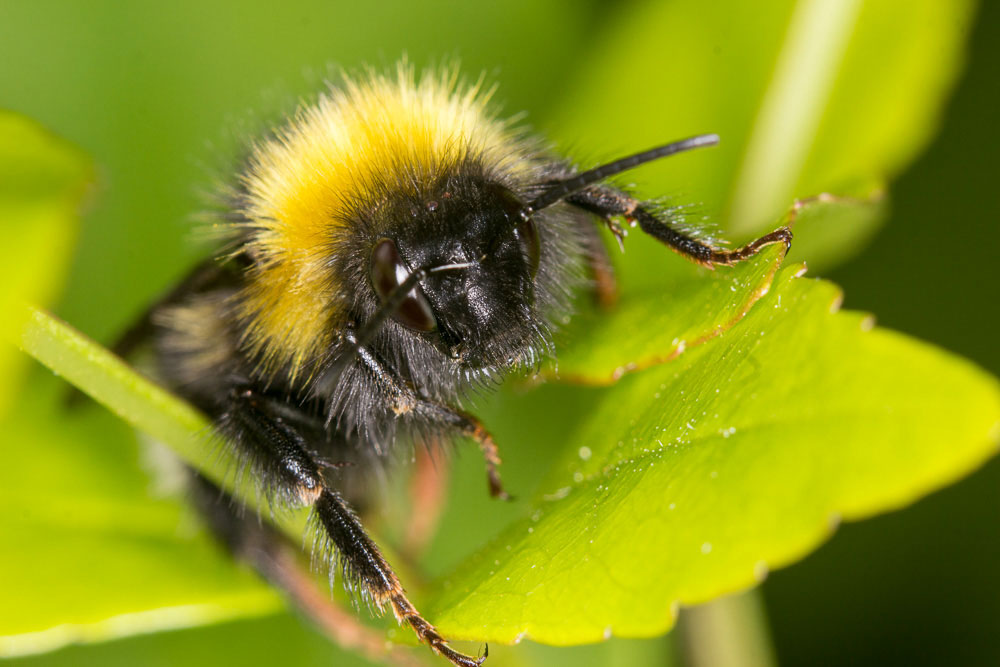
(459, 265)
(462, 273)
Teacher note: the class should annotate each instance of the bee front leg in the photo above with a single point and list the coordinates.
(362, 561)
(470, 427)
(404, 401)
(606, 201)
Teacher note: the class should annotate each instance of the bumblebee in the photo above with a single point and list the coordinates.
(390, 248)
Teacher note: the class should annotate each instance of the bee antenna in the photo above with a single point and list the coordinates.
(567, 187)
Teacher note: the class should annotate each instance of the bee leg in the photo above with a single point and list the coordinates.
(278, 455)
(361, 560)
(608, 201)
(470, 427)
(405, 401)
(278, 560)
(274, 450)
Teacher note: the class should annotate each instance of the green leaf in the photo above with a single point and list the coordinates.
(42, 183)
(686, 307)
(92, 548)
(691, 479)
(88, 552)
(808, 97)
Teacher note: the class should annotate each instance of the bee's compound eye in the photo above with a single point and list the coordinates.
(387, 273)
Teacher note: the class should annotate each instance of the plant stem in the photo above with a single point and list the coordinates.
(728, 632)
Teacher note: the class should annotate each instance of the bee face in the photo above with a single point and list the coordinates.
(481, 254)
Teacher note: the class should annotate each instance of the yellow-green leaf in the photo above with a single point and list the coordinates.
(690, 480)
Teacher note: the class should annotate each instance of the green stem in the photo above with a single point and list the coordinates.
(791, 110)
(729, 632)
(151, 409)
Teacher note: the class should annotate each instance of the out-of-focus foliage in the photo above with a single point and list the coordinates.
(42, 183)
(808, 97)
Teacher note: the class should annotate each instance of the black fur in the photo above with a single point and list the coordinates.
(492, 318)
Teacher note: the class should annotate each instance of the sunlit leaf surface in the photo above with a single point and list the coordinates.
(691, 479)
(655, 323)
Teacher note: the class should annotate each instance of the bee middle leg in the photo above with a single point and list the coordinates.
(470, 427)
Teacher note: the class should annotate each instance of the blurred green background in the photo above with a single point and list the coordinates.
(160, 96)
